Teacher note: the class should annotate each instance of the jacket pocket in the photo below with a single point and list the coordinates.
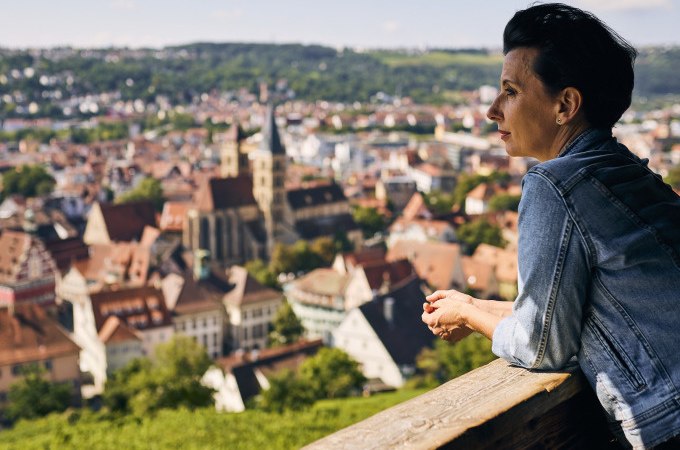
(616, 353)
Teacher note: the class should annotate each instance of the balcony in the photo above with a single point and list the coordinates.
(497, 406)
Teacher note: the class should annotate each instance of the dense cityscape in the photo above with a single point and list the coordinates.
(175, 237)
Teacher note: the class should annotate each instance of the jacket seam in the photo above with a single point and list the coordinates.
(557, 278)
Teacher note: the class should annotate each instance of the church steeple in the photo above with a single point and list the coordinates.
(269, 172)
(234, 160)
(271, 140)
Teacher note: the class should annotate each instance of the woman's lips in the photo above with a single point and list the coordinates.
(504, 134)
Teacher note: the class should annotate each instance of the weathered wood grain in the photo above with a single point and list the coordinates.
(496, 406)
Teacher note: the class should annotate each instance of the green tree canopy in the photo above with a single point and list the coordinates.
(262, 273)
(172, 380)
(449, 360)
(147, 189)
(673, 177)
(504, 202)
(303, 256)
(286, 391)
(369, 219)
(439, 202)
(331, 373)
(29, 181)
(33, 396)
(467, 182)
(287, 327)
(479, 231)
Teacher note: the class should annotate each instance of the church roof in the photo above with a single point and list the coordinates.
(314, 196)
(271, 141)
(225, 193)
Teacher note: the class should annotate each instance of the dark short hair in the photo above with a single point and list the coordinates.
(577, 49)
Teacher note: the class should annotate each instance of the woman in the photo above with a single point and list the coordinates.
(599, 244)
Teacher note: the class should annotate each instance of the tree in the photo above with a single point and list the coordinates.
(331, 373)
(261, 272)
(504, 202)
(172, 380)
(369, 219)
(449, 360)
(439, 202)
(29, 181)
(467, 182)
(33, 396)
(287, 328)
(286, 391)
(147, 189)
(673, 177)
(479, 231)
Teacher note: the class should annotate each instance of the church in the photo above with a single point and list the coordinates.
(241, 215)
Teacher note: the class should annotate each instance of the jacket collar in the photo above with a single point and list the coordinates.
(586, 140)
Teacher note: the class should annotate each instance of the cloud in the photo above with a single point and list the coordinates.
(625, 5)
(391, 26)
(127, 5)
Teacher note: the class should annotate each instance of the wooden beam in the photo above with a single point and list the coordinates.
(496, 406)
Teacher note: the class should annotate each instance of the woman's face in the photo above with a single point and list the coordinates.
(525, 111)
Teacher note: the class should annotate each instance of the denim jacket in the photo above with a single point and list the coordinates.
(599, 283)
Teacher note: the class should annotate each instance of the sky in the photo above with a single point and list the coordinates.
(339, 23)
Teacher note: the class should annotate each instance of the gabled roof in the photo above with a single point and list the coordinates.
(433, 261)
(380, 274)
(416, 208)
(198, 296)
(504, 261)
(478, 274)
(14, 246)
(126, 221)
(323, 281)
(268, 361)
(314, 196)
(225, 193)
(247, 289)
(401, 330)
(364, 256)
(115, 330)
(30, 335)
(141, 308)
(271, 141)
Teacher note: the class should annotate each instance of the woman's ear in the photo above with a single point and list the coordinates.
(570, 102)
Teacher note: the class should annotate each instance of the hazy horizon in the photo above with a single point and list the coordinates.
(379, 24)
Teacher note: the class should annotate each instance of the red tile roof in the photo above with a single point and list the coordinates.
(30, 335)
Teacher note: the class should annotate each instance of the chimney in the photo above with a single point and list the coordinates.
(388, 310)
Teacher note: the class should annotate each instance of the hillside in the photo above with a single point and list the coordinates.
(312, 72)
(200, 429)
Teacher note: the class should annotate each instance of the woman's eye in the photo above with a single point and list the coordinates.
(510, 92)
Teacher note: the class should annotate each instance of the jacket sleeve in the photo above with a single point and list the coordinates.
(554, 277)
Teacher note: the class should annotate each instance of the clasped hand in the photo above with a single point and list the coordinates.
(444, 314)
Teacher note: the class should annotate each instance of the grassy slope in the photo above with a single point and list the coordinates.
(197, 429)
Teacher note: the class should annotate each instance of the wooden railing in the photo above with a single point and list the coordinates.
(494, 407)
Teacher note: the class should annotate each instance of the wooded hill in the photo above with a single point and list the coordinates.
(312, 72)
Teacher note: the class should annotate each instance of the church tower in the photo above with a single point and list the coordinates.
(269, 171)
(234, 159)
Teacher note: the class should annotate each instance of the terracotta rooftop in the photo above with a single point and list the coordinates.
(115, 330)
(141, 308)
(30, 335)
(324, 281)
(126, 221)
(247, 289)
(225, 193)
(433, 261)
